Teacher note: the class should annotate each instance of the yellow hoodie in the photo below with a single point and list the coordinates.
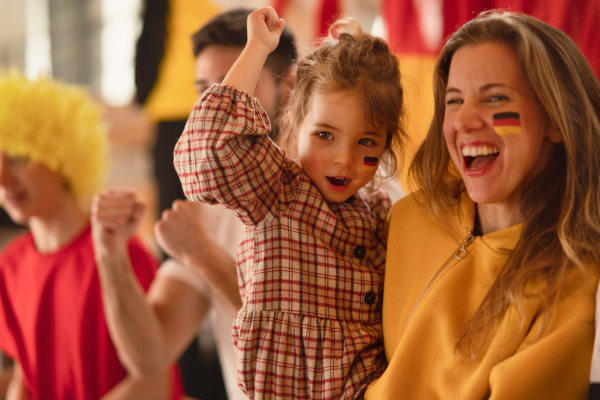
(430, 296)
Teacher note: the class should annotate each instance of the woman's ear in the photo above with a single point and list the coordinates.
(554, 135)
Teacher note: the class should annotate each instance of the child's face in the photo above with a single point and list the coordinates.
(496, 131)
(28, 190)
(335, 149)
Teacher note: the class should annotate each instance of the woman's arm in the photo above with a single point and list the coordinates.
(555, 365)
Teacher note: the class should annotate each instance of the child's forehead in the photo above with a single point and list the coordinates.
(354, 99)
(335, 110)
(330, 95)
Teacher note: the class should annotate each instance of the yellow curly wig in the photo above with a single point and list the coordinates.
(56, 125)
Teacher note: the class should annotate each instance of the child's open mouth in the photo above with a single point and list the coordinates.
(338, 181)
(479, 157)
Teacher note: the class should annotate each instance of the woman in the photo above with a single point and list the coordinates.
(492, 267)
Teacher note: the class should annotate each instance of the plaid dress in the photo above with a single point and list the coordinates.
(310, 272)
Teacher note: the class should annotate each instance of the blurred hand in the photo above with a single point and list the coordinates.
(187, 233)
(182, 229)
(115, 218)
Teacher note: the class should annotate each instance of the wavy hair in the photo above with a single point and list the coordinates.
(57, 125)
(351, 60)
(561, 208)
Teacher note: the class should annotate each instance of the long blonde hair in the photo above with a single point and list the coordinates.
(350, 59)
(561, 208)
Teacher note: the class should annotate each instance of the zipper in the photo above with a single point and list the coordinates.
(459, 254)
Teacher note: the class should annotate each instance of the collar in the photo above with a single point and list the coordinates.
(501, 241)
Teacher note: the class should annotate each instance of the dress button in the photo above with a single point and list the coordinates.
(360, 252)
(370, 298)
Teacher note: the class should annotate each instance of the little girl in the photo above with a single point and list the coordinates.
(312, 258)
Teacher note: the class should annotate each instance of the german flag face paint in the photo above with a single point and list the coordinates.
(370, 163)
(507, 123)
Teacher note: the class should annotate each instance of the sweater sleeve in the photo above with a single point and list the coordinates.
(555, 365)
(225, 156)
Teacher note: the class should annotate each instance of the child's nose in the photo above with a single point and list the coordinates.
(344, 157)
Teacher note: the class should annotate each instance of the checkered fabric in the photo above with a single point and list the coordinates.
(310, 272)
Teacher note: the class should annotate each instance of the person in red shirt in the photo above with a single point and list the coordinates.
(53, 155)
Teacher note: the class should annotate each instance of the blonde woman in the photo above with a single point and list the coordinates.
(492, 268)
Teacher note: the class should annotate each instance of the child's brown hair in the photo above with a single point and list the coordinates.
(350, 59)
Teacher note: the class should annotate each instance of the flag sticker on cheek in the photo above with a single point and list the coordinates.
(507, 123)
(370, 163)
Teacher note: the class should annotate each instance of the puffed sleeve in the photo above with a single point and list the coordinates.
(225, 156)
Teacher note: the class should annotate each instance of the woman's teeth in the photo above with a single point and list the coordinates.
(478, 157)
(476, 151)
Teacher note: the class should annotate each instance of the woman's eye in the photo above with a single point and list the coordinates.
(497, 97)
(324, 135)
(366, 142)
(453, 101)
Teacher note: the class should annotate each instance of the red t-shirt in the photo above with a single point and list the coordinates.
(52, 318)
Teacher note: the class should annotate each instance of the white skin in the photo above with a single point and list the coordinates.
(152, 331)
(332, 139)
(333, 143)
(35, 196)
(483, 80)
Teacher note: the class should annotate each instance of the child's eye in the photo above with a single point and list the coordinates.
(324, 135)
(366, 142)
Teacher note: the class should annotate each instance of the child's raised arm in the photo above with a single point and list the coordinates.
(264, 30)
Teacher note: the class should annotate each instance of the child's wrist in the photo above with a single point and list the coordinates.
(257, 48)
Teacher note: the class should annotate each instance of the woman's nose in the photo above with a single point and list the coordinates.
(468, 118)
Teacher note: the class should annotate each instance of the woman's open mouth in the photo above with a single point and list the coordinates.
(478, 157)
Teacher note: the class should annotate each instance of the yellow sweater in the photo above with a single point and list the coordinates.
(420, 352)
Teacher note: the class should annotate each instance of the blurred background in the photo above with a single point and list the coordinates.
(96, 43)
(93, 43)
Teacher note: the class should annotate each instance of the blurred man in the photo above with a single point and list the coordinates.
(203, 239)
